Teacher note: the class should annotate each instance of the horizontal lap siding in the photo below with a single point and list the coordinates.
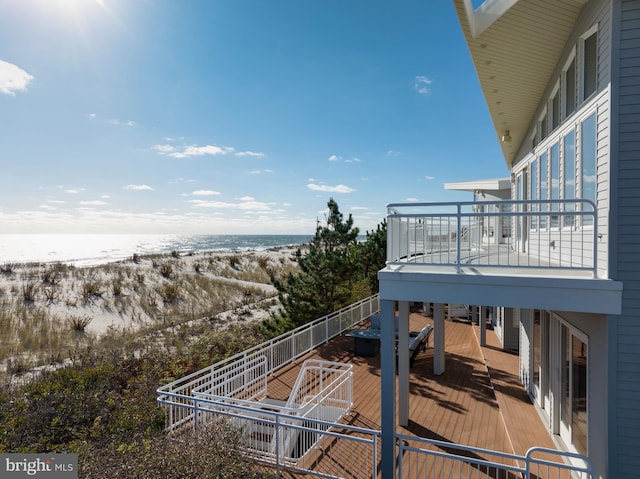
(625, 460)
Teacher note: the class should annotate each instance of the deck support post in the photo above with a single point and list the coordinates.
(474, 314)
(403, 363)
(438, 338)
(483, 329)
(388, 384)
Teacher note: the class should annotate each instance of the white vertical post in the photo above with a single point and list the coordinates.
(483, 328)
(403, 363)
(388, 383)
(438, 338)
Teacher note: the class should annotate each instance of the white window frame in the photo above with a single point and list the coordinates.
(581, 68)
(563, 83)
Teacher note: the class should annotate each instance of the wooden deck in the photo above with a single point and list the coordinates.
(478, 401)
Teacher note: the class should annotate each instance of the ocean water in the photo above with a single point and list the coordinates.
(88, 249)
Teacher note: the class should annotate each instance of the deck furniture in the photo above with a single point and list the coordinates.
(366, 342)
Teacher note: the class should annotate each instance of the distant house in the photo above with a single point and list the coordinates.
(557, 260)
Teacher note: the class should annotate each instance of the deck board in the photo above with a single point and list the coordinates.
(478, 400)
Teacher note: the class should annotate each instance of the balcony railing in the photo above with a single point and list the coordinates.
(550, 234)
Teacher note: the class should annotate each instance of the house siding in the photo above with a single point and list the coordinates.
(625, 373)
(595, 13)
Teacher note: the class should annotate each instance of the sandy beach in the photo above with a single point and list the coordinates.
(48, 309)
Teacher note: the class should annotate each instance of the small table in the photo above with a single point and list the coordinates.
(366, 342)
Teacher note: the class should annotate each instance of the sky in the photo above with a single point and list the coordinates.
(233, 116)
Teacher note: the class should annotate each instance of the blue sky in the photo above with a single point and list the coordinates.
(232, 116)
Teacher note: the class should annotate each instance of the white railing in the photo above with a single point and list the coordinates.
(247, 371)
(323, 392)
(419, 458)
(551, 234)
(326, 384)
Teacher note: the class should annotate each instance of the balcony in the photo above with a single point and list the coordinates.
(498, 254)
(549, 236)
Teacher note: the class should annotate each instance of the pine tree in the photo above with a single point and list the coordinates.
(323, 284)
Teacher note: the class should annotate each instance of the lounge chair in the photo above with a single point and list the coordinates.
(418, 341)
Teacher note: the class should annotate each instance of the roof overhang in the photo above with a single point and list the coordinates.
(515, 45)
(493, 184)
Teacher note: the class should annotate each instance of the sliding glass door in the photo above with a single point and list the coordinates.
(573, 388)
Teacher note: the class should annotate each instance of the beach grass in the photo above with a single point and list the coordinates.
(49, 312)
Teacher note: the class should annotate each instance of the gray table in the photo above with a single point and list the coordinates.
(366, 342)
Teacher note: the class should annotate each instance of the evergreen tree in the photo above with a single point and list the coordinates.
(374, 255)
(335, 271)
(326, 271)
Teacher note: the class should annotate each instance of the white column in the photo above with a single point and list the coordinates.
(388, 384)
(483, 328)
(438, 338)
(403, 363)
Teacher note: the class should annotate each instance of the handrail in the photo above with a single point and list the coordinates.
(279, 351)
(450, 456)
(546, 234)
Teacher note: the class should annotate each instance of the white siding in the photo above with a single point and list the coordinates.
(624, 431)
(597, 13)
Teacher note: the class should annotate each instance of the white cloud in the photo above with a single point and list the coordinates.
(13, 78)
(246, 203)
(354, 160)
(259, 172)
(334, 158)
(74, 191)
(254, 206)
(254, 154)
(412, 200)
(94, 203)
(117, 122)
(422, 84)
(205, 193)
(330, 189)
(105, 197)
(138, 188)
(430, 177)
(189, 151)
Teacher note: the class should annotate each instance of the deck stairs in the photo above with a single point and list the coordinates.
(288, 429)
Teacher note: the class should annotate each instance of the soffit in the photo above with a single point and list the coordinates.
(514, 57)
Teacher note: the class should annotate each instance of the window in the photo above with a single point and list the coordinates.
(555, 110)
(570, 88)
(543, 187)
(569, 174)
(534, 191)
(590, 67)
(588, 161)
(554, 186)
(544, 126)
